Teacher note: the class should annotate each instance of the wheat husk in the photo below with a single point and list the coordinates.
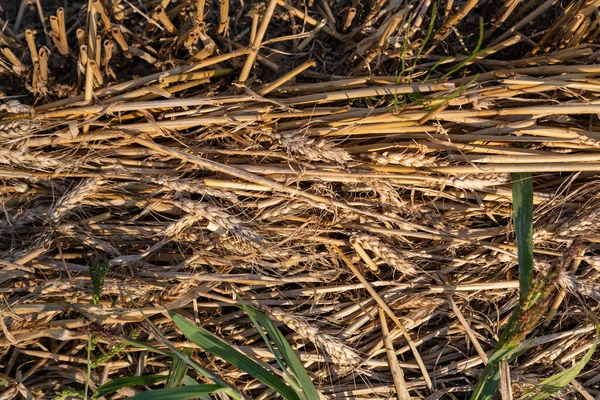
(323, 162)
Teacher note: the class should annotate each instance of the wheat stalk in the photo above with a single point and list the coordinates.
(18, 158)
(575, 285)
(477, 181)
(312, 148)
(194, 186)
(172, 230)
(339, 352)
(73, 198)
(90, 240)
(406, 159)
(219, 220)
(392, 258)
(18, 129)
(587, 224)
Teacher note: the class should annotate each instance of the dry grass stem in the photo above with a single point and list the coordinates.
(333, 164)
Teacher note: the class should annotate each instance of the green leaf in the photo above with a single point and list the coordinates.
(562, 379)
(292, 361)
(489, 386)
(116, 384)
(490, 377)
(188, 381)
(177, 371)
(429, 32)
(142, 345)
(221, 349)
(179, 393)
(472, 55)
(523, 221)
(175, 353)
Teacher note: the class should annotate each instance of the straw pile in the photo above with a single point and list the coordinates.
(278, 151)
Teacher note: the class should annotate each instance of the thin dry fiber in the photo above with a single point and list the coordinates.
(205, 152)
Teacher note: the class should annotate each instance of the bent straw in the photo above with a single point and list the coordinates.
(390, 314)
(285, 78)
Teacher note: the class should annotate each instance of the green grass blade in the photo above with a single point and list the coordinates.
(142, 345)
(472, 55)
(177, 371)
(179, 393)
(292, 361)
(558, 381)
(130, 381)
(176, 354)
(221, 349)
(188, 381)
(490, 377)
(523, 221)
(429, 32)
(280, 360)
(489, 385)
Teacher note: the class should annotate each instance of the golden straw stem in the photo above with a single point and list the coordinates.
(445, 30)
(183, 86)
(54, 29)
(285, 78)
(109, 46)
(96, 71)
(262, 60)
(136, 83)
(200, 11)
(580, 33)
(497, 47)
(431, 114)
(366, 92)
(98, 49)
(149, 105)
(163, 18)
(254, 27)
(120, 39)
(349, 18)
(393, 24)
(80, 37)
(509, 168)
(83, 55)
(312, 35)
(365, 257)
(88, 94)
(30, 39)
(308, 19)
(390, 313)
(17, 65)
(397, 373)
(97, 4)
(62, 32)
(550, 32)
(508, 7)
(257, 41)
(170, 90)
(43, 60)
(195, 75)
(36, 76)
(526, 159)
(223, 16)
